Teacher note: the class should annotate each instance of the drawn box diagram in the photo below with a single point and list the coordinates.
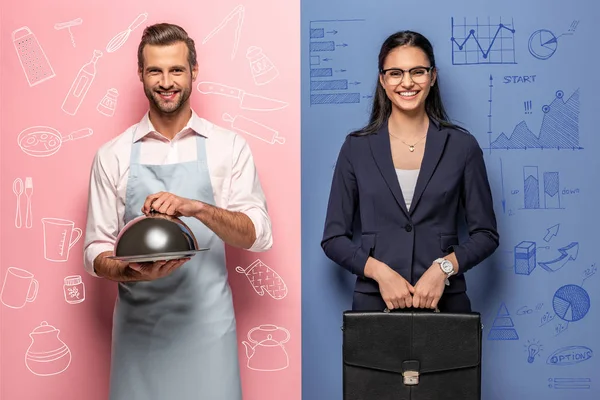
(329, 77)
(525, 257)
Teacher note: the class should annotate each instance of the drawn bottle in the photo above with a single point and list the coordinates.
(81, 85)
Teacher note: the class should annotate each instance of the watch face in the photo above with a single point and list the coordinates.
(447, 266)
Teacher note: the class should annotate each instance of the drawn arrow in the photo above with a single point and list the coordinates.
(552, 231)
(568, 253)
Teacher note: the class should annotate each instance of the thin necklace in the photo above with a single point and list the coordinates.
(410, 147)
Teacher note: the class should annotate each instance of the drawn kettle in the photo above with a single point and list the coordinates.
(267, 354)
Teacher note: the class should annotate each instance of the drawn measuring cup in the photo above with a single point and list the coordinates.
(59, 236)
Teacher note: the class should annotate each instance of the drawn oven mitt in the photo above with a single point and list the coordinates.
(264, 279)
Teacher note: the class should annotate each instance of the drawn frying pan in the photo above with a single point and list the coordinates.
(43, 141)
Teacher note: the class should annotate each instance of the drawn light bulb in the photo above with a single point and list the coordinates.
(533, 350)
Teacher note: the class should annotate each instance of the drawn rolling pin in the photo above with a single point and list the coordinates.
(253, 128)
(264, 279)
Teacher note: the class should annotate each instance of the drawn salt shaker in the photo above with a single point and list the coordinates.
(263, 70)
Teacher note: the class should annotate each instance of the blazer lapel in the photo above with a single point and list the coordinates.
(382, 153)
(434, 147)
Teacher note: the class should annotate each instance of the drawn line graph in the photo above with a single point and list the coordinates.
(477, 43)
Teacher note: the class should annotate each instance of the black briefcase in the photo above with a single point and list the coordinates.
(411, 355)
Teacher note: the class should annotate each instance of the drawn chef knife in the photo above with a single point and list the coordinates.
(248, 101)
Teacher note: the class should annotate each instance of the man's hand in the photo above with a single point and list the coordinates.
(120, 271)
(233, 227)
(170, 204)
(155, 270)
(429, 288)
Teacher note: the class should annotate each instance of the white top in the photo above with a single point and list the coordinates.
(408, 180)
(233, 175)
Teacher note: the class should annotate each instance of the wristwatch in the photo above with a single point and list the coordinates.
(447, 267)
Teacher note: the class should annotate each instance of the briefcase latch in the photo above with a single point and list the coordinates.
(411, 377)
(410, 372)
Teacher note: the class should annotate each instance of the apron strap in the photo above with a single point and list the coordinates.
(134, 161)
(201, 152)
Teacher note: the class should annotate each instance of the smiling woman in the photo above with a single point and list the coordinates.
(412, 170)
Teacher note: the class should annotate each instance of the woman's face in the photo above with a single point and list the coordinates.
(407, 91)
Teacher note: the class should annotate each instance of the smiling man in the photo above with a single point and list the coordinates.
(174, 333)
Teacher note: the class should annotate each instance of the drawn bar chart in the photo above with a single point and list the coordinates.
(329, 62)
(531, 189)
(483, 43)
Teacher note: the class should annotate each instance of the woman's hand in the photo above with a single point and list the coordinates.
(429, 288)
(395, 290)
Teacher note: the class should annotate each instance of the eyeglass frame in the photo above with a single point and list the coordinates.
(429, 69)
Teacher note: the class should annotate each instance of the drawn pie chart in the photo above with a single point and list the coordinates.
(571, 303)
(542, 44)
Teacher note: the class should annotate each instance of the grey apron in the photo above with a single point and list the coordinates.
(175, 338)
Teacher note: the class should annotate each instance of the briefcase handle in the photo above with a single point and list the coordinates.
(387, 310)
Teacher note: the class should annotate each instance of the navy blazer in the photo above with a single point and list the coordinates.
(367, 214)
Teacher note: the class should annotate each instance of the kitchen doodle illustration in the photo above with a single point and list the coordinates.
(60, 235)
(19, 288)
(47, 354)
(32, 57)
(265, 350)
(44, 141)
(252, 128)
(264, 280)
(74, 289)
(67, 25)
(120, 38)
(18, 189)
(239, 12)
(80, 86)
(263, 70)
(108, 104)
(247, 100)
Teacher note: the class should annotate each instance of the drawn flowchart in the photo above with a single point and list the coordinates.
(330, 63)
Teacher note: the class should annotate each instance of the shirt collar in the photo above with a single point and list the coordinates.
(195, 123)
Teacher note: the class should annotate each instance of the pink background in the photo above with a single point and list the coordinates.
(60, 181)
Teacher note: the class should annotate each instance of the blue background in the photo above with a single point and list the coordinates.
(534, 323)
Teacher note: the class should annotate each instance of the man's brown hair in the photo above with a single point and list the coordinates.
(164, 34)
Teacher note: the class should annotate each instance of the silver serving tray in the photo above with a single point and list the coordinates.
(158, 256)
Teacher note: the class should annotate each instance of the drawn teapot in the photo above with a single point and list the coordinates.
(47, 354)
(266, 353)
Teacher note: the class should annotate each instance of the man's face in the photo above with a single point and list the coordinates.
(167, 77)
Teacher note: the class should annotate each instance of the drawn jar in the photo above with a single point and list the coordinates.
(74, 289)
(47, 355)
(263, 70)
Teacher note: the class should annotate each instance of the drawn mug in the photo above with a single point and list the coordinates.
(17, 288)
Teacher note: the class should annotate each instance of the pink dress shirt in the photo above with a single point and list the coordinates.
(234, 179)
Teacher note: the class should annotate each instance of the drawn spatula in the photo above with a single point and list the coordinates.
(248, 101)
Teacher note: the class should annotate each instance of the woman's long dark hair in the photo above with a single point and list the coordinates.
(382, 106)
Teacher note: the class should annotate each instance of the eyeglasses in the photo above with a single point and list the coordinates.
(394, 76)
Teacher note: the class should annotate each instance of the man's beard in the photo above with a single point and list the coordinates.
(170, 106)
